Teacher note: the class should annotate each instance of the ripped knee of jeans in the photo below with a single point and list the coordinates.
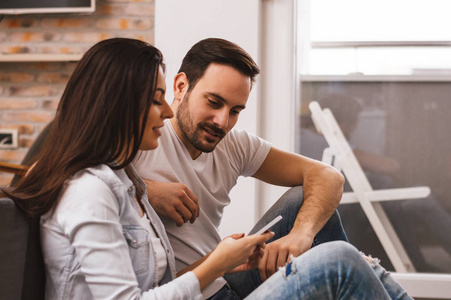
(290, 267)
(375, 265)
(371, 260)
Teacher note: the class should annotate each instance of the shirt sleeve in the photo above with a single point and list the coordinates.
(89, 215)
(246, 151)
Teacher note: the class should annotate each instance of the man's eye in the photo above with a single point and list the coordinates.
(235, 112)
(213, 103)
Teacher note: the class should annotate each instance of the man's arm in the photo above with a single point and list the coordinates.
(173, 200)
(323, 188)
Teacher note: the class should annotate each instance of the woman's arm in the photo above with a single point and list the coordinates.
(192, 266)
(89, 216)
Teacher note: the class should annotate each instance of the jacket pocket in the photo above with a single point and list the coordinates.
(138, 245)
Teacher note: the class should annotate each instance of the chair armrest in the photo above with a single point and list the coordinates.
(11, 168)
(389, 194)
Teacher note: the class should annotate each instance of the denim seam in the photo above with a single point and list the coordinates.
(66, 273)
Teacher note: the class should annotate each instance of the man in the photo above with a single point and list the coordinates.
(201, 157)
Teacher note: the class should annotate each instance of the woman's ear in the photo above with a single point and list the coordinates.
(180, 85)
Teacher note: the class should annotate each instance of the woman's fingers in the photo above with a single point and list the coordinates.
(236, 236)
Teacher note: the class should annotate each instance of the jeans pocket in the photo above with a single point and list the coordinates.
(138, 245)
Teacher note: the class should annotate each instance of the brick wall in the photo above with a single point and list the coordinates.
(30, 91)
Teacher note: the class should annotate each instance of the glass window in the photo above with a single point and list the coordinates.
(379, 37)
(381, 20)
(383, 68)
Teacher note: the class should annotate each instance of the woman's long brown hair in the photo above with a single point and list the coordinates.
(99, 120)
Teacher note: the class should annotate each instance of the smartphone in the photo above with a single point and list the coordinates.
(269, 225)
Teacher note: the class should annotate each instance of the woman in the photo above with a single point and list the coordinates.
(100, 237)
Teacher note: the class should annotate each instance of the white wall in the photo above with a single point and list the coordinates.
(277, 87)
(260, 27)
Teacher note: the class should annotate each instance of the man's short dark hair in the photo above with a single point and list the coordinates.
(220, 51)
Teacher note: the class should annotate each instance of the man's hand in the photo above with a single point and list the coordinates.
(173, 200)
(277, 253)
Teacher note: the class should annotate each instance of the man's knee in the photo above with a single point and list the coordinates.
(342, 250)
(293, 198)
(336, 251)
(295, 193)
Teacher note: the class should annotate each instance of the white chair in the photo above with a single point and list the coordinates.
(340, 155)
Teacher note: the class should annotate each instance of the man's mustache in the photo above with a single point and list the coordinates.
(213, 128)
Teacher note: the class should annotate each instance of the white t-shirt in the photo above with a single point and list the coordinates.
(210, 177)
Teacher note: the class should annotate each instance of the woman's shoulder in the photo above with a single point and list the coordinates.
(100, 176)
(87, 179)
(86, 201)
(89, 188)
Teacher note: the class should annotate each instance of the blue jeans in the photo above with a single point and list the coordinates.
(288, 206)
(334, 270)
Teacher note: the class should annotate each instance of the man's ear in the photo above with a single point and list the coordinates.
(180, 85)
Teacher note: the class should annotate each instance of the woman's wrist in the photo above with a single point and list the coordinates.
(208, 271)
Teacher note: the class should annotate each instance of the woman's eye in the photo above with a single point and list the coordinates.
(156, 102)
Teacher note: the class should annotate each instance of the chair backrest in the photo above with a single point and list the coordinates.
(344, 158)
(22, 274)
(340, 154)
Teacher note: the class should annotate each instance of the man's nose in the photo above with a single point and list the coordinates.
(221, 118)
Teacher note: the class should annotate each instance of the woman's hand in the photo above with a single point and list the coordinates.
(233, 254)
(252, 261)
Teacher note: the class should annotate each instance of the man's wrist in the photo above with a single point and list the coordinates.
(304, 230)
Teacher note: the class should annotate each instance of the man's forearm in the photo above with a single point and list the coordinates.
(323, 189)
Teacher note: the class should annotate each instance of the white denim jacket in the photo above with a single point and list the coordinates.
(95, 248)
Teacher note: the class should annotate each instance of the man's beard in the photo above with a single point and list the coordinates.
(194, 132)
